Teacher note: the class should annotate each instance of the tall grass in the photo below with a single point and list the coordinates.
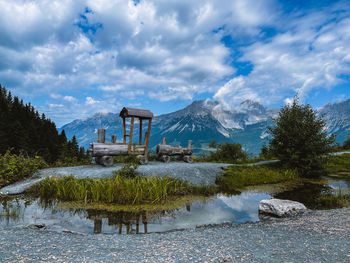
(118, 190)
(333, 200)
(237, 177)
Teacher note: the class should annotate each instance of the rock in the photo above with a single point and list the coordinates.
(281, 208)
(37, 226)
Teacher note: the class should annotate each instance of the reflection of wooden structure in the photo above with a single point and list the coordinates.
(120, 218)
(103, 151)
(164, 152)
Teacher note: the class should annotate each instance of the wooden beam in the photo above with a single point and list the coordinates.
(131, 131)
(124, 131)
(114, 138)
(148, 135)
(140, 139)
(144, 141)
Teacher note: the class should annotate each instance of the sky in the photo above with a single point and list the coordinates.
(73, 58)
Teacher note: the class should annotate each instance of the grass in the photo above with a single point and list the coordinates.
(118, 190)
(333, 200)
(238, 177)
(338, 164)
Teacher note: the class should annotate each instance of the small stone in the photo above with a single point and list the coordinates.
(281, 208)
(36, 226)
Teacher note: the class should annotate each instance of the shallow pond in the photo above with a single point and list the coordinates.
(21, 210)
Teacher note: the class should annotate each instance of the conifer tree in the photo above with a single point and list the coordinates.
(300, 140)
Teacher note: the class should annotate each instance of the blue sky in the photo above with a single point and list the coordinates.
(74, 58)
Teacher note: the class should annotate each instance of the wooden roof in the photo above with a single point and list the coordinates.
(130, 112)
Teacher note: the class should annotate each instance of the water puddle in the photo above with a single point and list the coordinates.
(19, 211)
(23, 211)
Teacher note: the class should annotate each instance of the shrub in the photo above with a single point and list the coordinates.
(18, 167)
(227, 152)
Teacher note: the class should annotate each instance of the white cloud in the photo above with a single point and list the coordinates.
(69, 98)
(168, 50)
(111, 88)
(91, 101)
(310, 55)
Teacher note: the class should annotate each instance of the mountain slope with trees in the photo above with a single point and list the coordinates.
(24, 130)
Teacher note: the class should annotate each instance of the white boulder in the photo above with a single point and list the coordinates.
(281, 208)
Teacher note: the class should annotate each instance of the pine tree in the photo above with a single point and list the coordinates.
(300, 140)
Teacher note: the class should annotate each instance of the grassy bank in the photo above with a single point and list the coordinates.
(335, 199)
(338, 164)
(118, 190)
(237, 177)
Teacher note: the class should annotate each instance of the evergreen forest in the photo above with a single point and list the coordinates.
(24, 131)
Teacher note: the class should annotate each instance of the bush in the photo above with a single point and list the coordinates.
(227, 152)
(18, 167)
(127, 171)
(300, 140)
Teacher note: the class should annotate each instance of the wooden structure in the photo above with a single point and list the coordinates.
(164, 152)
(103, 151)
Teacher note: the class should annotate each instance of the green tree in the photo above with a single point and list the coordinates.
(228, 152)
(300, 140)
(346, 144)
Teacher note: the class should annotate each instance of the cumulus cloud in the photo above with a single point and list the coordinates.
(168, 50)
(312, 53)
(69, 98)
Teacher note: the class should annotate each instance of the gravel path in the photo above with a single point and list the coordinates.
(317, 236)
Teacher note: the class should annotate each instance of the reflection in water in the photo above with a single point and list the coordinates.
(308, 193)
(23, 210)
(131, 220)
(238, 209)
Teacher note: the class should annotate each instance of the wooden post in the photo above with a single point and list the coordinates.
(148, 135)
(144, 142)
(101, 135)
(144, 222)
(130, 135)
(114, 138)
(189, 144)
(137, 223)
(97, 226)
(164, 141)
(140, 139)
(124, 131)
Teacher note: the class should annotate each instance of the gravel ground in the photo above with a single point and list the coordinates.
(316, 236)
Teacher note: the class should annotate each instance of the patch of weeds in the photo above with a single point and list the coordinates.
(118, 190)
(338, 163)
(238, 177)
(332, 200)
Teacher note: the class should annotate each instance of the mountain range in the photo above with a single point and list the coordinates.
(204, 121)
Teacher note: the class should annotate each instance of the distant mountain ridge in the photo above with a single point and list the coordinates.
(204, 121)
